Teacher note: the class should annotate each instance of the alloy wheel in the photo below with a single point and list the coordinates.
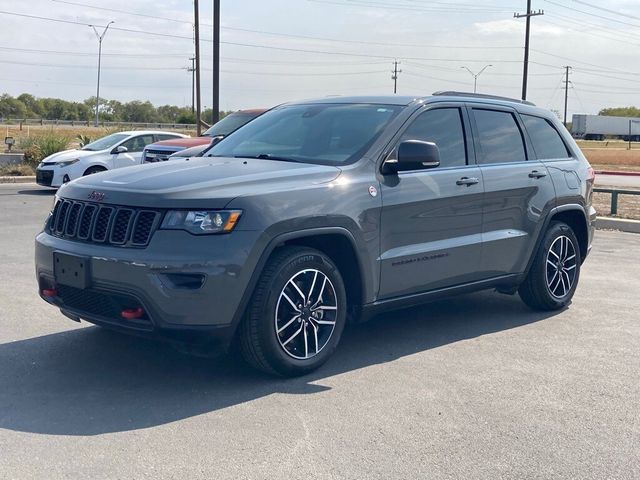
(561, 266)
(306, 314)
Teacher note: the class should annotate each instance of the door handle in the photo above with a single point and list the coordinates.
(537, 174)
(468, 181)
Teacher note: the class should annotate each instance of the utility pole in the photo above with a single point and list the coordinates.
(394, 76)
(192, 69)
(196, 28)
(530, 13)
(566, 92)
(215, 106)
(100, 38)
(476, 75)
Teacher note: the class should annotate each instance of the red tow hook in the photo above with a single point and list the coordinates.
(132, 313)
(49, 292)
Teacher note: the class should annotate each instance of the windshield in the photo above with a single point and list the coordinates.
(105, 142)
(325, 134)
(229, 124)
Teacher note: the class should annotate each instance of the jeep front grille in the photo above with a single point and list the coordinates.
(103, 224)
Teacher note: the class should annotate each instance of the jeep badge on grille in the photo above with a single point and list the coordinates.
(96, 196)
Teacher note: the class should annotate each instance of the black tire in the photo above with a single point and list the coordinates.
(92, 170)
(262, 346)
(554, 274)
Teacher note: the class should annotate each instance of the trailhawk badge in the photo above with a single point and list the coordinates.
(96, 196)
(373, 191)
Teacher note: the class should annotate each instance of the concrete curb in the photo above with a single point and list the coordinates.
(611, 172)
(622, 224)
(18, 179)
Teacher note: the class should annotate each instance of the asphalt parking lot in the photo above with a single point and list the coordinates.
(474, 387)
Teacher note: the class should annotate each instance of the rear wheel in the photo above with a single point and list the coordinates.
(554, 274)
(296, 315)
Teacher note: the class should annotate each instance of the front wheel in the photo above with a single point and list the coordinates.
(296, 315)
(554, 274)
(92, 170)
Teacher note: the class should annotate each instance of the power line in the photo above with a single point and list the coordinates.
(115, 10)
(268, 47)
(458, 8)
(597, 7)
(290, 35)
(592, 14)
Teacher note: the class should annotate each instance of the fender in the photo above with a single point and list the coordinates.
(555, 210)
(286, 236)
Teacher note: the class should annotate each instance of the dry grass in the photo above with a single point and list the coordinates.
(613, 159)
(16, 171)
(628, 205)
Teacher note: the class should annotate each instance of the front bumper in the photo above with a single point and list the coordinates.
(52, 176)
(190, 287)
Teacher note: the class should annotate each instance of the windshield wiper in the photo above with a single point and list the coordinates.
(268, 156)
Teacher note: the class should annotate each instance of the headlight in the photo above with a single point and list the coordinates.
(201, 222)
(68, 162)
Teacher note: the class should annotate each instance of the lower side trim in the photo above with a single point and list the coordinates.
(371, 309)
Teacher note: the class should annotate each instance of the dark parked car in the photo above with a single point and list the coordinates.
(161, 151)
(197, 151)
(323, 211)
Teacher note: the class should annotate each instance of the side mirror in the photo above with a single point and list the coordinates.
(413, 155)
(119, 149)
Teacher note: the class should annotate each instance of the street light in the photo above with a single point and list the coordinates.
(476, 75)
(100, 37)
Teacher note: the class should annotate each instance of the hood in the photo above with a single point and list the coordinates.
(68, 155)
(182, 142)
(200, 182)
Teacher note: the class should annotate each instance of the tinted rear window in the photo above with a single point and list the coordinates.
(500, 137)
(546, 139)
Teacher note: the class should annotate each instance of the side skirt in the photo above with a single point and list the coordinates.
(503, 282)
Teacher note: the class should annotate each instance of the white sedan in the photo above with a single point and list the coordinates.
(117, 150)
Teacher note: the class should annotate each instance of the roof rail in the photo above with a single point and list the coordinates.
(480, 95)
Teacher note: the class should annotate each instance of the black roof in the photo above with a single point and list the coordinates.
(481, 95)
(374, 99)
(403, 100)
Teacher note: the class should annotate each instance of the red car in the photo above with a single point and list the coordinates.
(160, 151)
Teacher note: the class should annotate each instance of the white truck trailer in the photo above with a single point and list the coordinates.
(597, 127)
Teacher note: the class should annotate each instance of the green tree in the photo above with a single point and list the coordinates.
(137, 111)
(33, 105)
(12, 107)
(620, 112)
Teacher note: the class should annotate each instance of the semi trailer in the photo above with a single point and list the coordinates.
(598, 127)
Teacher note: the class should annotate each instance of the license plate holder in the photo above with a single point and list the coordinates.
(72, 270)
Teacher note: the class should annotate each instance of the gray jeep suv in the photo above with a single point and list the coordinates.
(322, 211)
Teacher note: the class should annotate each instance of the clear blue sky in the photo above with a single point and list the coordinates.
(324, 47)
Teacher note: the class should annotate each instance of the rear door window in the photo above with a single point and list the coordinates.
(442, 126)
(137, 144)
(499, 136)
(547, 142)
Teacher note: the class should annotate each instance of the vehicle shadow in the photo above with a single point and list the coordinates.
(90, 381)
(39, 192)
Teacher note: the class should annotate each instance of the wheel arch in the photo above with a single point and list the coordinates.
(103, 167)
(577, 220)
(329, 240)
(574, 216)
